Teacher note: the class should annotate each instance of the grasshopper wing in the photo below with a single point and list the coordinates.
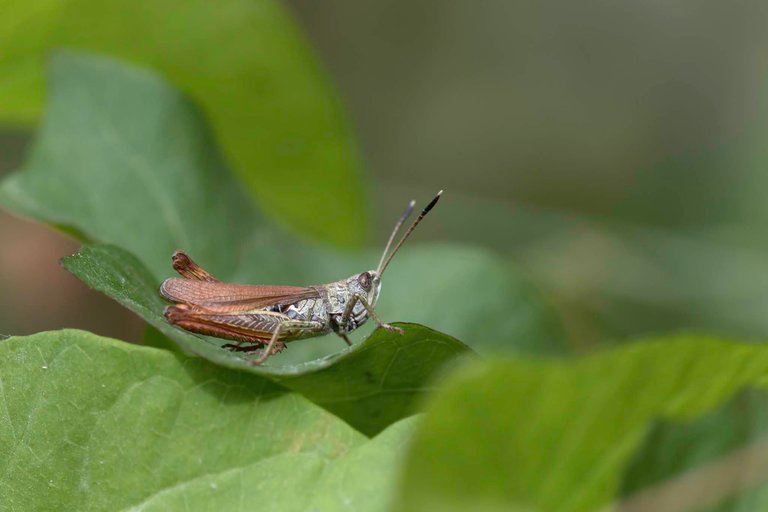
(226, 297)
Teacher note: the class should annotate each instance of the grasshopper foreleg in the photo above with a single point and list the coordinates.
(362, 300)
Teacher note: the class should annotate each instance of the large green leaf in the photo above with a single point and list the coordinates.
(124, 159)
(559, 436)
(363, 479)
(370, 385)
(90, 423)
(269, 103)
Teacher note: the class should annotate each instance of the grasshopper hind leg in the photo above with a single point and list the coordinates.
(288, 330)
(249, 332)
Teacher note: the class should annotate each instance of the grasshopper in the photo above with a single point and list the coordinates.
(267, 317)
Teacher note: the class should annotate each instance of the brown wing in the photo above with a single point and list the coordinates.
(226, 297)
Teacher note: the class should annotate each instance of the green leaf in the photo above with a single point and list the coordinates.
(90, 423)
(123, 159)
(560, 436)
(725, 442)
(348, 483)
(270, 105)
(370, 385)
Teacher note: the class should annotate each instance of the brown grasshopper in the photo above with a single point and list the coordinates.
(270, 316)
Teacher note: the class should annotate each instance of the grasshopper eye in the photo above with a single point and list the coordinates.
(365, 280)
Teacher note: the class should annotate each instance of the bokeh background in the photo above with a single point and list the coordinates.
(614, 152)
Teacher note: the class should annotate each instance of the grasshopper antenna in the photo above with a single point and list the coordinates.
(403, 217)
(423, 213)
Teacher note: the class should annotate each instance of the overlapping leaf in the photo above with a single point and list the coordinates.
(144, 429)
(269, 103)
(560, 436)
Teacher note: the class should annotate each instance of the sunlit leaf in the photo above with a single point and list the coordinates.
(268, 101)
(90, 423)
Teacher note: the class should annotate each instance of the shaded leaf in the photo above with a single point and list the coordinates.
(154, 338)
(90, 423)
(124, 159)
(269, 103)
(559, 436)
(370, 385)
(705, 451)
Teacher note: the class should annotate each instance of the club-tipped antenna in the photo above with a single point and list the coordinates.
(423, 213)
(403, 217)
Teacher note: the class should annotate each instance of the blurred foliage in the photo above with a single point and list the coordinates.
(670, 449)
(269, 104)
(614, 151)
(559, 436)
(166, 189)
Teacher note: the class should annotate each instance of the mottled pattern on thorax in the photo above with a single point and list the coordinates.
(341, 292)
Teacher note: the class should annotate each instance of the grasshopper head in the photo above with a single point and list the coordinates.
(367, 284)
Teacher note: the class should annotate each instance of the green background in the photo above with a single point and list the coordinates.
(603, 168)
